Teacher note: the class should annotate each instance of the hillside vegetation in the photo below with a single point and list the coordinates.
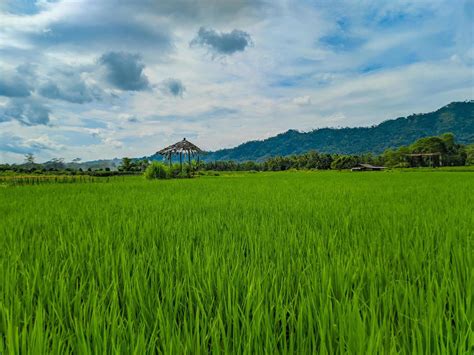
(457, 118)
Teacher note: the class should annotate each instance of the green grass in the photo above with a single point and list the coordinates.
(297, 262)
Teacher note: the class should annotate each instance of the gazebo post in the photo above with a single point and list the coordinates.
(169, 158)
(189, 158)
(181, 160)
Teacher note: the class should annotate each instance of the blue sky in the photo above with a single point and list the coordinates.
(104, 79)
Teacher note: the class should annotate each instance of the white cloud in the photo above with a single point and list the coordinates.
(302, 100)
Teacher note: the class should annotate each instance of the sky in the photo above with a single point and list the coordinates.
(102, 79)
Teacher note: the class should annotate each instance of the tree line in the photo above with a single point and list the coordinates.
(451, 153)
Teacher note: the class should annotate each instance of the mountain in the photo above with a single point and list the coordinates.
(457, 118)
(96, 164)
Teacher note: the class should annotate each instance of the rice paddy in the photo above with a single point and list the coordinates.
(291, 262)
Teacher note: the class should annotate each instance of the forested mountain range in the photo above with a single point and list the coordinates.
(456, 117)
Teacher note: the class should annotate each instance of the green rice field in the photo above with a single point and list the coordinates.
(287, 262)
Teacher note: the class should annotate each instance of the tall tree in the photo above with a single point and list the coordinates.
(126, 164)
(29, 158)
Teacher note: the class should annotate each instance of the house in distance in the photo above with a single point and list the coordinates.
(367, 167)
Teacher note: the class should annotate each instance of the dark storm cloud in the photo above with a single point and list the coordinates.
(28, 112)
(125, 71)
(222, 43)
(173, 87)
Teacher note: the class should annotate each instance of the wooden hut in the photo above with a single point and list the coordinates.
(367, 167)
(181, 148)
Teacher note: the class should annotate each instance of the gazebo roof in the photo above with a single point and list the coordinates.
(183, 146)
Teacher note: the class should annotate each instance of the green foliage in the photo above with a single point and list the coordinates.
(392, 157)
(175, 170)
(344, 162)
(457, 117)
(429, 145)
(133, 165)
(126, 164)
(187, 171)
(157, 171)
(452, 153)
(310, 160)
(162, 171)
(178, 171)
(470, 154)
(297, 262)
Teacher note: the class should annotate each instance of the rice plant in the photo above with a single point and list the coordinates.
(295, 262)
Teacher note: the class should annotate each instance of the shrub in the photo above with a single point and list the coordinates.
(157, 171)
(175, 170)
(187, 171)
(344, 162)
(100, 173)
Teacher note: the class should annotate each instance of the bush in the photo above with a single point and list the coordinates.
(402, 165)
(175, 171)
(344, 162)
(157, 171)
(100, 173)
(187, 171)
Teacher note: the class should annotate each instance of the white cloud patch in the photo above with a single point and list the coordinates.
(302, 100)
(18, 145)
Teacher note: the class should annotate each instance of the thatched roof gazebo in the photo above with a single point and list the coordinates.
(183, 147)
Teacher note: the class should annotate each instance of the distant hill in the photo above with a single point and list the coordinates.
(95, 164)
(457, 118)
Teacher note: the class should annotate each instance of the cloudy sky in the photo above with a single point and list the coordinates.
(103, 79)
